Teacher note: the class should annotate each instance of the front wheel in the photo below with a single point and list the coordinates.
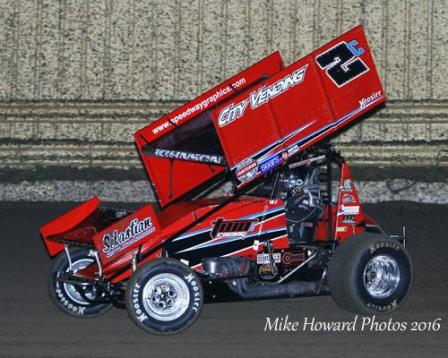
(164, 296)
(370, 274)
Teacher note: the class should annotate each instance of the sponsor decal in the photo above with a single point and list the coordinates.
(349, 210)
(196, 294)
(266, 259)
(223, 229)
(196, 157)
(347, 199)
(249, 168)
(232, 112)
(118, 240)
(270, 163)
(289, 258)
(364, 102)
(348, 219)
(260, 97)
(200, 106)
(347, 185)
(268, 272)
(139, 311)
(290, 152)
(69, 305)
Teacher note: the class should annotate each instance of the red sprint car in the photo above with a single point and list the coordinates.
(292, 223)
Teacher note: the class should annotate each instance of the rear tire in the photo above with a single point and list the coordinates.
(164, 297)
(65, 296)
(370, 274)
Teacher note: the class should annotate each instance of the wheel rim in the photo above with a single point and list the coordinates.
(166, 297)
(381, 276)
(71, 290)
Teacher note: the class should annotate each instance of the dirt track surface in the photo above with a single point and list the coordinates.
(30, 326)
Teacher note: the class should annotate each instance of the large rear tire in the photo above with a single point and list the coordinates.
(370, 274)
(164, 297)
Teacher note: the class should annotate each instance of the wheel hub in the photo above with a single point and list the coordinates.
(88, 290)
(381, 276)
(166, 297)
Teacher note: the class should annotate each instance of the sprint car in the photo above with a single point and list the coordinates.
(291, 225)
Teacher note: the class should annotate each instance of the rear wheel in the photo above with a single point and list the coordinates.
(164, 296)
(370, 274)
(67, 297)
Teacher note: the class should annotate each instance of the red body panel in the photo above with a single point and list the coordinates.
(349, 214)
(66, 222)
(126, 234)
(186, 246)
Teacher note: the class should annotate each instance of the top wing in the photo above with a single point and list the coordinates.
(259, 118)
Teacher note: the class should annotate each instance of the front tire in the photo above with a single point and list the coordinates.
(370, 274)
(164, 296)
(65, 296)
